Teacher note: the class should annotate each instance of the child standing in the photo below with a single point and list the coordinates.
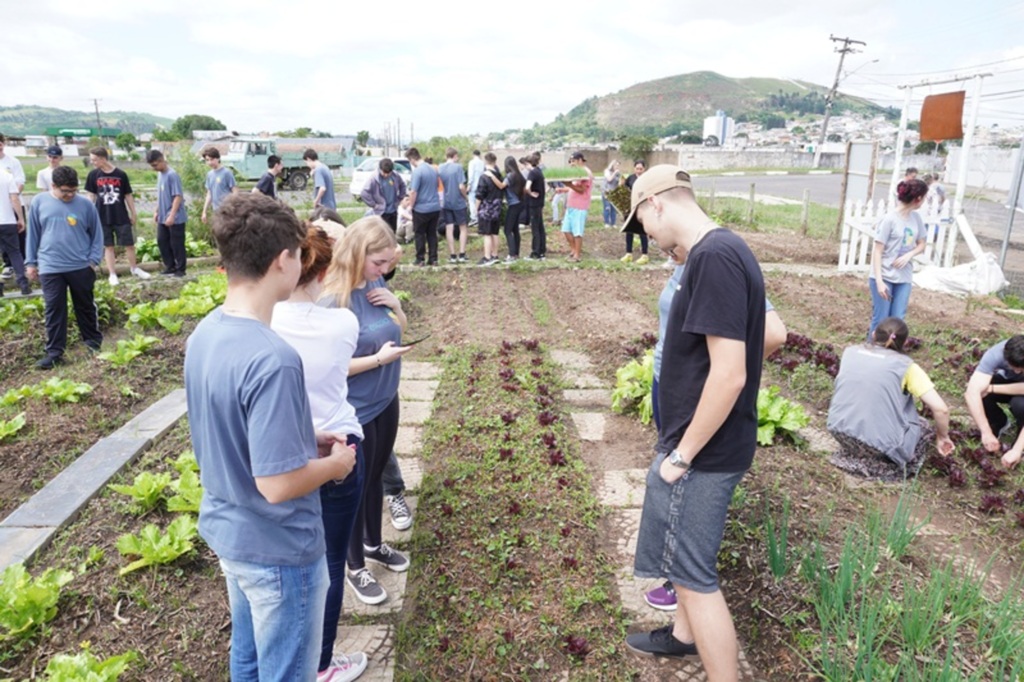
(261, 462)
(488, 202)
(577, 204)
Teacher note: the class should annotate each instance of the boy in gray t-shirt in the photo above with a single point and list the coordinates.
(260, 461)
(998, 380)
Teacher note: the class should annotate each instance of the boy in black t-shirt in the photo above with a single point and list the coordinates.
(708, 386)
(108, 186)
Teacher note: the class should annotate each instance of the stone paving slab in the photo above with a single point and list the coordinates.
(818, 440)
(623, 488)
(417, 389)
(419, 370)
(409, 440)
(582, 379)
(62, 498)
(18, 545)
(412, 472)
(414, 413)
(393, 583)
(377, 642)
(589, 425)
(571, 359)
(390, 534)
(590, 397)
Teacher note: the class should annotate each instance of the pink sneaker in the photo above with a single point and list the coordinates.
(662, 598)
(343, 668)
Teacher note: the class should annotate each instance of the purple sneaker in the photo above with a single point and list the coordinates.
(662, 598)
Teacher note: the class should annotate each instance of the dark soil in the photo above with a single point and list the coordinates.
(178, 618)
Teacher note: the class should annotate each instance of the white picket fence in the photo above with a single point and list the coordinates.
(861, 217)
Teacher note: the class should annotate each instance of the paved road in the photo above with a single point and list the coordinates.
(987, 218)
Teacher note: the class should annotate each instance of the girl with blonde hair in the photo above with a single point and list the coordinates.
(355, 280)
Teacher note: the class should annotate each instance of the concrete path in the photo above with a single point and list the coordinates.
(377, 640)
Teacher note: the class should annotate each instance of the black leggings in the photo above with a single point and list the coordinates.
(643, 242)
(513, 219)
(378, 440)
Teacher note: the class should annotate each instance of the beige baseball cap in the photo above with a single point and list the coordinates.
(654, 180)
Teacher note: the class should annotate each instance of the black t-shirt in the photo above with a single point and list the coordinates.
(535, 178)
(631, 180)
(268, 185)
(722, 294)
(110, 190)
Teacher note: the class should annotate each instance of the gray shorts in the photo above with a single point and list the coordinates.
(682, 526)
(454, 217)
(122, 232)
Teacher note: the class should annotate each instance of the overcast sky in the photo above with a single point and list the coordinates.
(459, 66)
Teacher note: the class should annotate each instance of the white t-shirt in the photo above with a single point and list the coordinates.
(7, 188)
(325, 339)
(44, 179)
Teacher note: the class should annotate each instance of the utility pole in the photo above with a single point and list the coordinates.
(398, 135)
(99, 126)
(843, 51)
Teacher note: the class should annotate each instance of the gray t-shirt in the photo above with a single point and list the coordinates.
(452, 176)
(870, 405)
(898, 235)
(322, 178)
(993, 362)
(219, 183)
(249, 416)
(168, 186)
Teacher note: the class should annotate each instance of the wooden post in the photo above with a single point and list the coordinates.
(842, 190)
(750, 210)
(807, 207)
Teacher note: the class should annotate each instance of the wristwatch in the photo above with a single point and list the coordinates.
(676, 460)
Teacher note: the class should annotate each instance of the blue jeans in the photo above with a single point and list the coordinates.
(609, 212)
(340, 503)
(277, 615)
(896, 306)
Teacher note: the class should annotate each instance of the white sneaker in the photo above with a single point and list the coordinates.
(140, 273)
(113, 279)
(343, 668)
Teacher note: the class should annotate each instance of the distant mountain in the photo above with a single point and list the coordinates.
(34, 120)
(669, 105)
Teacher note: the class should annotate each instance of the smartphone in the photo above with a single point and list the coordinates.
(413, 343)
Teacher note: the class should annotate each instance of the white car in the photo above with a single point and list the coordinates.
(367, 168)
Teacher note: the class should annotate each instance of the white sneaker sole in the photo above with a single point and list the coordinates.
(404, 524)
(371, 601)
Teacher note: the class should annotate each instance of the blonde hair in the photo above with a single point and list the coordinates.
(363, 237)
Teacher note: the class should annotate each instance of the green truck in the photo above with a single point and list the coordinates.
(247, 156)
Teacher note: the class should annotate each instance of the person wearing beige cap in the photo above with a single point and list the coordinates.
(708, 386)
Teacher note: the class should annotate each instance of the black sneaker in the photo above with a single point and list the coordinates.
(431, 262)
(365, 586)
(26, 290)
(659, 642)
(462, 258)
(419, 263)
(453, 259)
(389, 558)
(49, 362)
(482, 262)
(92, 346)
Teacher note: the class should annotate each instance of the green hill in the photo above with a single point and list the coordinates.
(34, 120)
(668, 105)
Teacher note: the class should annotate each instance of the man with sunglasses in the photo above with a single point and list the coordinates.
(63, 247)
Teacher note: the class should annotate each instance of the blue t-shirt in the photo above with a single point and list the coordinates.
(993, 362)
(168, 186)
(219, 183)
(249, 416)
(390, 192)
(372, 391)
(452, 176)
(62, 236)
(322, 178)
(424, 183)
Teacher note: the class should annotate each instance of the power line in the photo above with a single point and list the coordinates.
(959, 68)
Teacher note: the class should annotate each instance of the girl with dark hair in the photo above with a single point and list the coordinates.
(899, 237)
(873, 415)
(325, 339)
(514, 185)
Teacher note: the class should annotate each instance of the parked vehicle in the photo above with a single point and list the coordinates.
(366, 169)
(248, 158)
